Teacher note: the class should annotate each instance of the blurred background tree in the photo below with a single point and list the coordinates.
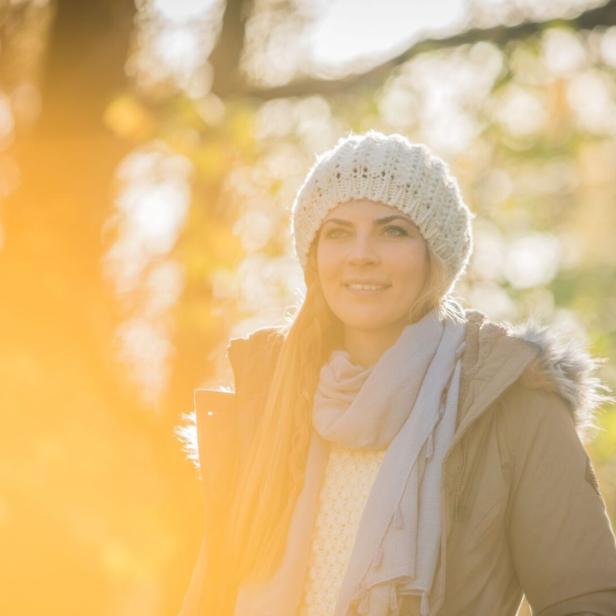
(149, 155)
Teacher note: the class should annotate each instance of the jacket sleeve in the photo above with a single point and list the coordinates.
(560, 536)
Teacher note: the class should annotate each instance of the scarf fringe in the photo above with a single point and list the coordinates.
(424, 607)
(393, 602)
(394, 605)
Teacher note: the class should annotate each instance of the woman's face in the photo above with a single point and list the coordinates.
(367, 242)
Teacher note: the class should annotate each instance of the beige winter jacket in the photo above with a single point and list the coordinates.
(522, 512)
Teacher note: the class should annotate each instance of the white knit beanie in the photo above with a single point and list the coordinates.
(392, 170)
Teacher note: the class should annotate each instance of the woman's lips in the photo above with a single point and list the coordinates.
(365, 292)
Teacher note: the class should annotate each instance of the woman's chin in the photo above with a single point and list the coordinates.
(367, 320)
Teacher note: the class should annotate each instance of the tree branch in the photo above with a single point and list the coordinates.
(499, 35)
(225, 57)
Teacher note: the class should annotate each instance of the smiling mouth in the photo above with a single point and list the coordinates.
(365, 289)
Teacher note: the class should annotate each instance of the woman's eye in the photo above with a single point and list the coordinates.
(334, 233)
(398, 231)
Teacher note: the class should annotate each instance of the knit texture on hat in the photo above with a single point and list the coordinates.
(392, 170)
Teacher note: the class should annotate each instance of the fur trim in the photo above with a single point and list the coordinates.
(565, 367)
(186, 433)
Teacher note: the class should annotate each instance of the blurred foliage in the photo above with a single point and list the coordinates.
(144, 219)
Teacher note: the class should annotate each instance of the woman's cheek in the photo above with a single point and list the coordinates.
(329, 261)
(413, 260)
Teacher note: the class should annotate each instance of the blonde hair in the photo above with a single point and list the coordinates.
(271, 480)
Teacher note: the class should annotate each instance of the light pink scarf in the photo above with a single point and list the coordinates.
(406, 402)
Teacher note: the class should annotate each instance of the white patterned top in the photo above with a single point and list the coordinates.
(349, 476)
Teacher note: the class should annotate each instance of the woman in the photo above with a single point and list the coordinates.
(388, 452)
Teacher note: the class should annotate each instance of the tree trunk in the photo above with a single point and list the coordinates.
(83, 464)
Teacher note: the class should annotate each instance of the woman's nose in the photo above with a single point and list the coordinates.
(363, 250)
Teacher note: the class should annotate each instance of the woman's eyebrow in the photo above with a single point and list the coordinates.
(378, 221)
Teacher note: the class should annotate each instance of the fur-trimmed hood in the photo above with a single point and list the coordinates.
(560, 364)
